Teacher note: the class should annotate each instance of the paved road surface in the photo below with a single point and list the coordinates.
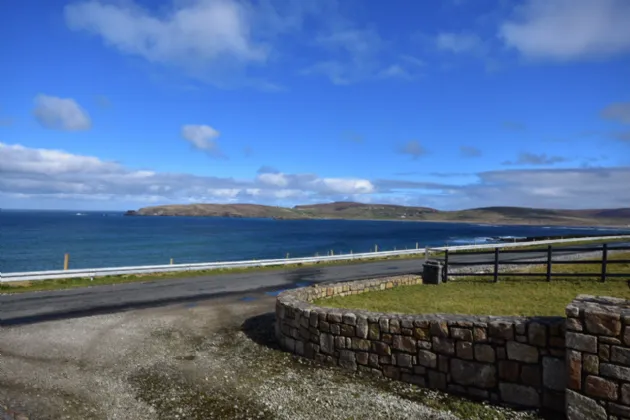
(38, 306)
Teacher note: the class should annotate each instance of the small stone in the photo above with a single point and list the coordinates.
(443, 363)
(581, 342)
(349, 318)
(403, 360)
(383, 324)
(334, 317)
(479, 334)
(414, 379)
(521, 339)
(580, 407)
(427, 359)
(443, 345)
(394, 326)
(380, 348)
(347, 359)
(391, 372)
(519, 394)
(522, 352)
(590, 363)
(620, 355)
(537, 334)
(424, 345)
(602, 321)
(437, 380)
(604, 352)
(387, 338)
(501, 353)
(595, 386)
(340, 342)
(362, 327)
(614, 371)
(554, 373)
(464, 350)
(360, 344)
(347, 330)
(626, 336)
(326, 343)
(619, 410)
(478, 393)
(572, 311)
(484, 353)
(520, 327)
(530, 375)
(574, 369)
(574, 324)
(404, 343)
(335, 329)
(609, 340)
(625, 394)
(421, 333)
(439, 328)
(503, 330)
(374, 332)
(363, 358)
(373, 360)
(473, 373)
(461, 334)
(509, 370)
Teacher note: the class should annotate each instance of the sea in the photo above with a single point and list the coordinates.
(37, 240)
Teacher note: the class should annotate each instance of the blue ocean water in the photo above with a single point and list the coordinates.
(38, 240)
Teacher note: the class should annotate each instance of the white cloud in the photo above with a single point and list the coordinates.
(458, 42)
(60, 114)
(46, 173)
(619, 112)
(412, 148)
(194, 36)
(202, 137)
(569, 29)
(274, 179)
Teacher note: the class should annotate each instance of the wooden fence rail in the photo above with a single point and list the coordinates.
(533, 260)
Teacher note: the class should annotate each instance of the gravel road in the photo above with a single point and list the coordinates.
(214, 359)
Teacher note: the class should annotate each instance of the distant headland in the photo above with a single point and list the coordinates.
(360, 211)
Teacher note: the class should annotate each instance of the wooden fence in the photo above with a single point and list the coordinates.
(520, 257)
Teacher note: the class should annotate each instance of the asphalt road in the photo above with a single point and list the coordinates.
(39, 306)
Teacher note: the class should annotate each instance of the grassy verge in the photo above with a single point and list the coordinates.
(510, 296)
(41, 285)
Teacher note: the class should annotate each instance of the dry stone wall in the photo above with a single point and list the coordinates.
(518, 361)
(598, 358)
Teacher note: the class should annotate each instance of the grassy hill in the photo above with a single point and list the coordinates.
(361, 211)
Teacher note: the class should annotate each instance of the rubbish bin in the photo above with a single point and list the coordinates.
(432, 272)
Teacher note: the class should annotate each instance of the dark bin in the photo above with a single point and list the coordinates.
(432, 272)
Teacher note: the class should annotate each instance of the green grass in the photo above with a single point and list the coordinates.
(510, 296)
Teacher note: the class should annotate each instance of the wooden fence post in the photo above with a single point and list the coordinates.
(496, 264)
(445, 271)
(66, 261)
(604, 261)
(549, 261)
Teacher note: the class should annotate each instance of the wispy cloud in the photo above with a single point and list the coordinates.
(202, 137)
(514, 126)
(412, 148)
(563, 30)
(536, 159)
(61, 114)
(619, 112)
(469, 151)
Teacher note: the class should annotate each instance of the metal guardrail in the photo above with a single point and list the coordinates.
(168, 268)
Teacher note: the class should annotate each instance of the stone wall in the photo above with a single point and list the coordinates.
(518, 361)
(598, 358)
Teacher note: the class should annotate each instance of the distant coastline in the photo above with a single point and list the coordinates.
(507, 216)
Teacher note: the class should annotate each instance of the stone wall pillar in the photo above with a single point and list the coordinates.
(598, 358)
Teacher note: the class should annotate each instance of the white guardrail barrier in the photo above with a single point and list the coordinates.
(166, 268)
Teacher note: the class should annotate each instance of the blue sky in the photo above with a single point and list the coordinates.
(451, 104)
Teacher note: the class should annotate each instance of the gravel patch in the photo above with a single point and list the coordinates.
(216, 360)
